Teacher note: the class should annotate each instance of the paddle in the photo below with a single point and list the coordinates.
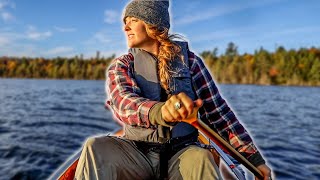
(201, 126)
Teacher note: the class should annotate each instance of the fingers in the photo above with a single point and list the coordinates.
(198, 103)
(187, 103)
(169, 112)
(179, 107)
(171, 107)
(166, 115)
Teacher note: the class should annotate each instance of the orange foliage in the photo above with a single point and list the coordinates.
(301, 66)
(249, 58)
(273, 72)
(12, 64)
(49, 66)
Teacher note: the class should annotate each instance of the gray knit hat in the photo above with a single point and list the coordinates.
(154, 12)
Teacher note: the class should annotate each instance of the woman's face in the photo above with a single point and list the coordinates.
(136, 33)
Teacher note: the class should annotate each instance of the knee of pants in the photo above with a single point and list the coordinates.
(197, 154)
(96, 142)
(103, 148)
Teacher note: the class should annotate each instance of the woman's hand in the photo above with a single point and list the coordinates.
(179, 107)
(266, 172)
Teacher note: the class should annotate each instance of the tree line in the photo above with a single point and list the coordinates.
(281, 67)
(55, 68)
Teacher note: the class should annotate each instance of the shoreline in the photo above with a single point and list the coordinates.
(218, 83)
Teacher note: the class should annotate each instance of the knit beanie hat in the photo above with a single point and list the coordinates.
(154, 12)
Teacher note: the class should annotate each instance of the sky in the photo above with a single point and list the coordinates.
(65, 28)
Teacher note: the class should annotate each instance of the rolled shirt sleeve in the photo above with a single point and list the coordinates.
(123, 94)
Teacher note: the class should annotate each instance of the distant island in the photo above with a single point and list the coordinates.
(283, 67)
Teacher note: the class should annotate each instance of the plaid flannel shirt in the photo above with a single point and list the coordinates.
(130, 108)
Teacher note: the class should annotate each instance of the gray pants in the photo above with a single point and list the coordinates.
(109, 157)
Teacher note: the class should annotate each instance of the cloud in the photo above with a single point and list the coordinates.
(25, 50)
(251, 38)
(6, 3)
(111, 16)
(62, 29)
(104, 53)
(253, 33)
(224, 34)
(5, 16)
(33, 34)
(100, 38)
(8, 37)
(4, 41)
(60, 51)
(13, 44)
(220, 11)
(23, 44)
(2, 5)
(108, 41)
(38, 35)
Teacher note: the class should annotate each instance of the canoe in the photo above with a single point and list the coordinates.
(206, 136)
(67, 170)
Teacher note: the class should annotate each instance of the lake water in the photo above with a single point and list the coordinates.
(43, 122)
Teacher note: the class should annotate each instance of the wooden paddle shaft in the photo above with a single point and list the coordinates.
(200, 125)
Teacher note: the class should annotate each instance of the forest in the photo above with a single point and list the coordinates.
(299, 67)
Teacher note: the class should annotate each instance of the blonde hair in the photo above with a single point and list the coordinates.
(168, 51)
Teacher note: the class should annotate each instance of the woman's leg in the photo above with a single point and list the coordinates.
(112, 158)
(193, 163)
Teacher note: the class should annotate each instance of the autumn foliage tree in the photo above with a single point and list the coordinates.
(55, 68)
(281, 67)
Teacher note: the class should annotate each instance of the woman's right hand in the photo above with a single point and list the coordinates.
(179, 107)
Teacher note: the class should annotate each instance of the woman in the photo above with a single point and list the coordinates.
(150, 90)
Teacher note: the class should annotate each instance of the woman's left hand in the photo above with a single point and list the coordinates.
(266, 172)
